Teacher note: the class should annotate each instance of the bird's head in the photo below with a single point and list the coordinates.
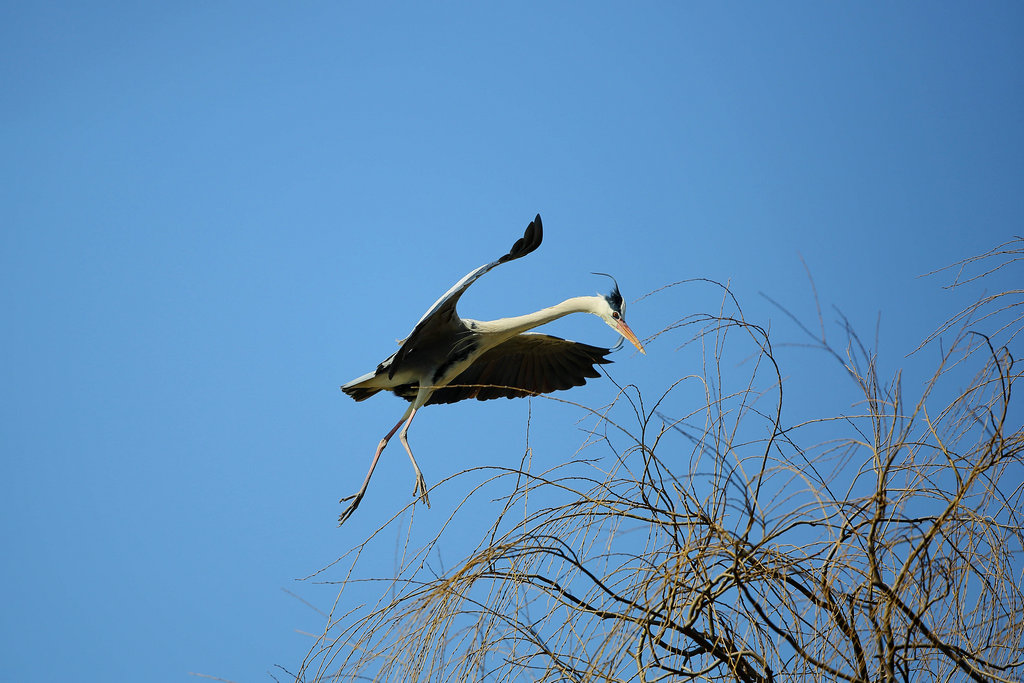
(612, 309)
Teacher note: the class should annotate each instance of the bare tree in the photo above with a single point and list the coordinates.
(723, 543)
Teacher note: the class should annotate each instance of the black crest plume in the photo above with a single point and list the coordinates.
(615, 297)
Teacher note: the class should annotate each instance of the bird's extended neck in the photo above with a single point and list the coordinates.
(506, 328)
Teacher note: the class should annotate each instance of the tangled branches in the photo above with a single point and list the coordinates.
(721, 543)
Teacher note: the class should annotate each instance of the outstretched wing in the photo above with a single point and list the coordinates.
(441, 318)
(525, 365)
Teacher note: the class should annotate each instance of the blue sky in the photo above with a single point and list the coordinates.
(214, 214)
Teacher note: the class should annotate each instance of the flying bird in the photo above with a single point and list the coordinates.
(447, 358)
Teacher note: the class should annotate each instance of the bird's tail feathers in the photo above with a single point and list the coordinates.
(361, 388)
(359, 393)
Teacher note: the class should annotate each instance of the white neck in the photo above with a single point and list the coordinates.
(506, 328)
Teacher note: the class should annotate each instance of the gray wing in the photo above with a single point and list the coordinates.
(441, 317)
(526, 365)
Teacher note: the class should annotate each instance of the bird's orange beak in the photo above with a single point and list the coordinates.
(624, 330)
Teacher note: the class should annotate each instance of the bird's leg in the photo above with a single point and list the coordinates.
(358, 497)
(421, 484)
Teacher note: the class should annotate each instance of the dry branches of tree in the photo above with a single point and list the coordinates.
(721, 542)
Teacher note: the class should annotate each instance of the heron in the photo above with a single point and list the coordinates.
(447, 358)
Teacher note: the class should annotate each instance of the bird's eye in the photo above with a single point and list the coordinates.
(615, 315)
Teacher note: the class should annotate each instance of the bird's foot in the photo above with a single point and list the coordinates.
(351, 507)
(421, 489)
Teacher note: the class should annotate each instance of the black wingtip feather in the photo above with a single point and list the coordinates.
(530, 240)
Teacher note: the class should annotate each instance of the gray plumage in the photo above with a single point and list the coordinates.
(447, 358)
